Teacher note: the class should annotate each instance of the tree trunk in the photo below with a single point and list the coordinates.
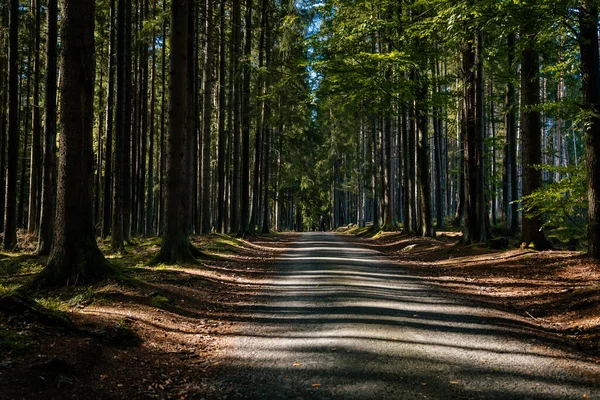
(34, 170)
(511, 185)
(150, 182)
(3, 104)
(49, 156)
(221, 200)
(245, 172)
(236, 84)
(207, 86)
(423, 170)
(108, 157)
(10, 213)
(588, 43)
(75, 257)
(175, 243)
(120, 166)
(266, 152)
(531, 130)
(475, 228)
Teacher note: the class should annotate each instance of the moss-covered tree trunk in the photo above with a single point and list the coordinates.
(75, 257)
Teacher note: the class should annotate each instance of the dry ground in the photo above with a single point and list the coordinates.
(153, 334)
(557, 290)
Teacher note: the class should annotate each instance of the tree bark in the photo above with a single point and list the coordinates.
(3, 110)
(207, 86)
(108, 157)
(49, 156)
(118, 215)
(75, 257)
(531, 232)
(175, 242)
(588, 43)
(221, 200)
(237, 86)
(34, 170)
(10, 213)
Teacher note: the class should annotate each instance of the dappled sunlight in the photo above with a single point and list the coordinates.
(343, 326)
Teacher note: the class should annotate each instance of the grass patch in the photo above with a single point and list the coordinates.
(12, 342)
(52, 303)
(223, 244)
(160, 301)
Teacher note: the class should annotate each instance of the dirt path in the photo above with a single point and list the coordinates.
(340, 321)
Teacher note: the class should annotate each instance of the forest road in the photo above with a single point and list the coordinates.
(341, 322)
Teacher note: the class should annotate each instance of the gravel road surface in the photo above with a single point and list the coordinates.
(342, 322)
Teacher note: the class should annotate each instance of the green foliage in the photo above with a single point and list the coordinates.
(562, 204)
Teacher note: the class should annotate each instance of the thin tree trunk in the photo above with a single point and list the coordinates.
(150, 183)
(221, 200)
(120, 167)
(4, 105)
(207, 85)
(108, 156)
(10, 214)
(49, 156)
(34, 169)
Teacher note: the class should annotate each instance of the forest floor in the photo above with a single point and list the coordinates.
(158, 332)
(558, 290)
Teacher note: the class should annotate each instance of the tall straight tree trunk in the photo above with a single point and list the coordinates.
(460, 161)
(423, 170)
(161, 166)
(245, 171)
(192, 127)
(510, 184)
(375, 178)
(143, 159)
(588, 44)
(108, 157)
(222, 136)
(99, 150)
(475, 227)
(75, 257)
(406, 222)
(3, 109)
(531, 232)
(150, 182)
(207, 87)
(175, 242)
(237, 86)
(256, 194)
(26, 125)
(128, 93)
(120, 167)
(10, 213)
(388, 222)
(34, 169)
(266, 152)
(49, 156)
